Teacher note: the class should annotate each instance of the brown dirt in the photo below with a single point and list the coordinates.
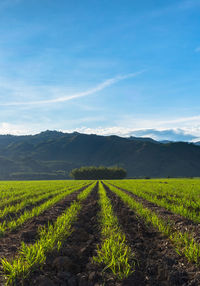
(158, 263)
(73, 265)
(29, 207)
(16, 200)
(28, 232)
(170, 200)
(180, 223)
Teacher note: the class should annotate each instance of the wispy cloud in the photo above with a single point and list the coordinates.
(167, 134)
(174, 134)
(158, 122)
(99, 87)
(181, 120)
(185, 133)
(112, 130)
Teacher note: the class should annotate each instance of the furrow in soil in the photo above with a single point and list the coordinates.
(180, 223)
(73, 265)
(157, 262)
(28, 232)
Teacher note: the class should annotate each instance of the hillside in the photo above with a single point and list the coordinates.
(53, 154)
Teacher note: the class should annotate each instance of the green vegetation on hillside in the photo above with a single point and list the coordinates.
(52, 155)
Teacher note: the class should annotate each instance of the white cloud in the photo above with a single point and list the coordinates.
(159, 123)
(180, 128)
(174, 134)
(64, 98)
(184, 128)
(168, 134)
(156, 134)
(115, 130)
(15, 129)
(185, 120)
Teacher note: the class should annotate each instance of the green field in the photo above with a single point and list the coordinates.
(106, 232)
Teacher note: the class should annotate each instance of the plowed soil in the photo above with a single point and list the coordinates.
(28, 232)
(179, 222)
(72, 265)
(158, 263)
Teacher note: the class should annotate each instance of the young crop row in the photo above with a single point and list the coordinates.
(183, 242)
(50, 238)
(31, 199)
(17, 196)
(183, 206)
(37, 210)
(113, 253)
(16, 189)
(188, 189)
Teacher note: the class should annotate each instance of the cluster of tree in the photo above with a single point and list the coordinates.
(98, 173)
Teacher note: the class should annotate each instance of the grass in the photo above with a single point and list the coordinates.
(180, 196)
(37, 210)
(51, 238)
(113, 253)
(184, 243)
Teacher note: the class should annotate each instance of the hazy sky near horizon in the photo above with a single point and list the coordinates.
(97, 66)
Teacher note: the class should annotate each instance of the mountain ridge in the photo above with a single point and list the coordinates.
(53, 154)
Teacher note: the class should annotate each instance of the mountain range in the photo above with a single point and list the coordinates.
(52, 155)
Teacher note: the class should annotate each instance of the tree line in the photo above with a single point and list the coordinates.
(98, 173)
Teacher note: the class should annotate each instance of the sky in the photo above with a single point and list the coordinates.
(106, 67)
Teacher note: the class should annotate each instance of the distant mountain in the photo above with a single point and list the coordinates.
(53, 154)
(144, 139)
(166, 141)
(164, 135)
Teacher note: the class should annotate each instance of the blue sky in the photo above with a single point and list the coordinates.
(106, 67)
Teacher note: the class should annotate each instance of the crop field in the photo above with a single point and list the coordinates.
(111, 232)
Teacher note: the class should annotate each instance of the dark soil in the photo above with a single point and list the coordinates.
(16, 200)
(157, 262)
(29, 207)
(73, 265)
(174, 202)
(179, 222)
(28, 232)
